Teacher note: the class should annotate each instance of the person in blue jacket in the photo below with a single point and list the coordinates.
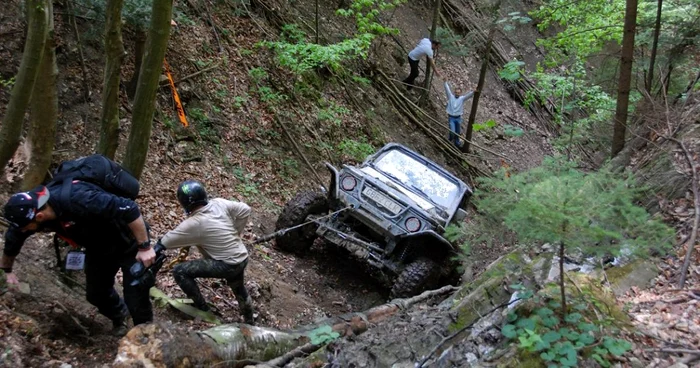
(455, 109)
(109, 227)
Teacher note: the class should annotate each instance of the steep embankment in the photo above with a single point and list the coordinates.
(249, 122)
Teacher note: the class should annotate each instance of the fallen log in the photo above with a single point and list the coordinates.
(165, 344)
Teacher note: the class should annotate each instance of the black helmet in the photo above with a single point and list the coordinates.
(191, 194)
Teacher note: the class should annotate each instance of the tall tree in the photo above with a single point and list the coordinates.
(623, 89)
(37, 28)
(114, 54)
(44, 111)
(433, 35)
(654, 47)
(144, 102)
(482, 78)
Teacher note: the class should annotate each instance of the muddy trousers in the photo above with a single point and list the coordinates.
(414, 73)
(186, 273)
(100, 270)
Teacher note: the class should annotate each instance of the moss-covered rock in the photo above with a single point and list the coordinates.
(638, 273)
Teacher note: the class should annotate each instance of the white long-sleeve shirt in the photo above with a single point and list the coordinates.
(215, 230)
(455, 105)
(425, 47)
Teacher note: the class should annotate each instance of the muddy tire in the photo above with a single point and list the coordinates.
(416, 277)
(295, 213)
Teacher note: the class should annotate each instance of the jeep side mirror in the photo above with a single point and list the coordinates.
(460, 215)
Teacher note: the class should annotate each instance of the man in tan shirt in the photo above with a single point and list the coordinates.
(214, 227)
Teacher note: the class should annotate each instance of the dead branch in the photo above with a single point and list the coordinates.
(72, 316)
(676, 351)
(696, 223)
(460, 331)
(286, 358)
(166, 83)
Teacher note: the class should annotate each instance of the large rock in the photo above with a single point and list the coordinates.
(636, 274)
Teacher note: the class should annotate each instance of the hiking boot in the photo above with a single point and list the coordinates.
(203, 307)
(246, 307)
(119, 327)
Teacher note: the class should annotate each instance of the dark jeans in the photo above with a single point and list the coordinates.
(414, 72)
(100, 270)
(186, 273)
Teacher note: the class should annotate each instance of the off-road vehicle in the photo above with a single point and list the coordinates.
(390, 212)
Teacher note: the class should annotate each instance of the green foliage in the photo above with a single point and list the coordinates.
(513, 19)
(555, 203)
(299, 56)
(239, 101)
(537, 329)
(323, 335)
(451, 43)
(586, 26)
(258, 75)
(488, 124)
(512, 131)
(7, 83)
(135, 13)
(357, 150)
(203, 124)
(332, 114)
(512, 71)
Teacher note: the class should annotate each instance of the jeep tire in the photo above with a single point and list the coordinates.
(294, 213)
(416, 277)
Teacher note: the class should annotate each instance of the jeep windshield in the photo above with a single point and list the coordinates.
(418, 178)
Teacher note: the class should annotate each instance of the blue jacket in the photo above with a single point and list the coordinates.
(91, 218)
(455, 105)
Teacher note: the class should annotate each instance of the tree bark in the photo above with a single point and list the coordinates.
(623, 94)
(433, 35)
(24, 82)
(654, 47)
(144, 103)
(163, 345)
(139, 50)
(44, 111)
(114, 54)
(480, 87)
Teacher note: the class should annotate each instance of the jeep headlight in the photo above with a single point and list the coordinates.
(412, 224)
(348, 183)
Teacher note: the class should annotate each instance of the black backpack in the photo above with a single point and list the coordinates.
(99, 170)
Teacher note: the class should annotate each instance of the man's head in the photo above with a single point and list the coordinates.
(191, 195)
(435, 44)
(26, 210)
(458, 91)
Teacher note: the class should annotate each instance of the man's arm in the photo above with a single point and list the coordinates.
(14, 240)
(184, 235)
(432, 63)
(447, 91)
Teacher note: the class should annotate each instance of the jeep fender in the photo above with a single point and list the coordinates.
(434, 236)
(333, 187)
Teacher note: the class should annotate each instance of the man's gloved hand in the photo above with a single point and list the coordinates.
(147, 257)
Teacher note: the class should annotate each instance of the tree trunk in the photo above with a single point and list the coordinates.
(239, 344)
(114, 54)
(654, 47)
(11, 130)
(480, 87)
(316, 21)
(139, 49)
(44, 111)
(144, 102)
(623, 92)
(433, 35)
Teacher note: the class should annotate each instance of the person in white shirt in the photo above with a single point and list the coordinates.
(426, 47)
(214, 227)
(455, 109)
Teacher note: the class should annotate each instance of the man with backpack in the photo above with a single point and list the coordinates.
(215, 227)
(110, 228)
